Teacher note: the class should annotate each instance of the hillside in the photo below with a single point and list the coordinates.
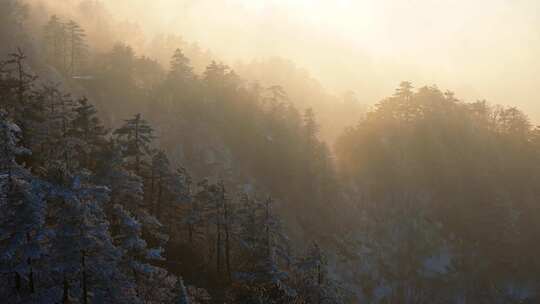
(155, 173)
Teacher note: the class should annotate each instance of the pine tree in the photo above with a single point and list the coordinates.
(60, 147)
(77, 46)
(228, 224)
(209, 198)
(219, 77)
(193, 214)
(180, 69)
(61, 39)
(310, 126)
(216, 211)
(135, 252)
(126, 187)
(135, 136)
(18, 100)
(215, 72)
(129, 220)
(179, 198)
(22, 230)
(55, 38)
(22, 213)
(404, 90)
(84, 259)
(159, 181)
(265, 246)
(312, 280)
(11, 148)
(87, 127)
(127, 190)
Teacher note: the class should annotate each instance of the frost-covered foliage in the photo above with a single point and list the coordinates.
(313, 280)
(126, 187)
(182, 294)
(265, 249)
(62, 238)
(402, 258)
(93, 216)
(446, 192)
(83, 257)
(435, 201)
(88, 128)
(22, 216)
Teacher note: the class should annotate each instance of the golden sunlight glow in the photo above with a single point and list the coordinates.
(480, 49)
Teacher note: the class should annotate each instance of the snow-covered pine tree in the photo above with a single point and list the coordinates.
(126, 187)
(128, 238)
(137, 257)
(11, 148)
(129, 220)
(22, 218)
(16, 87)
(126, 191)
(312, 281)
(21, 102)
(265, 248)
(84, 261)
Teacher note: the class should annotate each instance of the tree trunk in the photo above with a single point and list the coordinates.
(72, 52)
(190, 224)
(31, 274)
(64, 134)
(84, 277)
(20, 94)
(158, 201)
(65, 297)
(190, 233)
(218, 244)
(319, 283)
(17, 282)
(86, 157)
(64, 47)
(136, 283)
(31, 277)
(267, 228)
(227, 243)
(137, 152)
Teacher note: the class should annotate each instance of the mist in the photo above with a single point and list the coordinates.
(478, 49)
(250, 151)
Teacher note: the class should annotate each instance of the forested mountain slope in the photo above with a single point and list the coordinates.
(91, 214)
(127, 180)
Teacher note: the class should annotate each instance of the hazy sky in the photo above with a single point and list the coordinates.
(477, 48)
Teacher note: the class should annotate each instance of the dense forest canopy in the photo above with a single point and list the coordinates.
(156, 172)
(479, 49)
